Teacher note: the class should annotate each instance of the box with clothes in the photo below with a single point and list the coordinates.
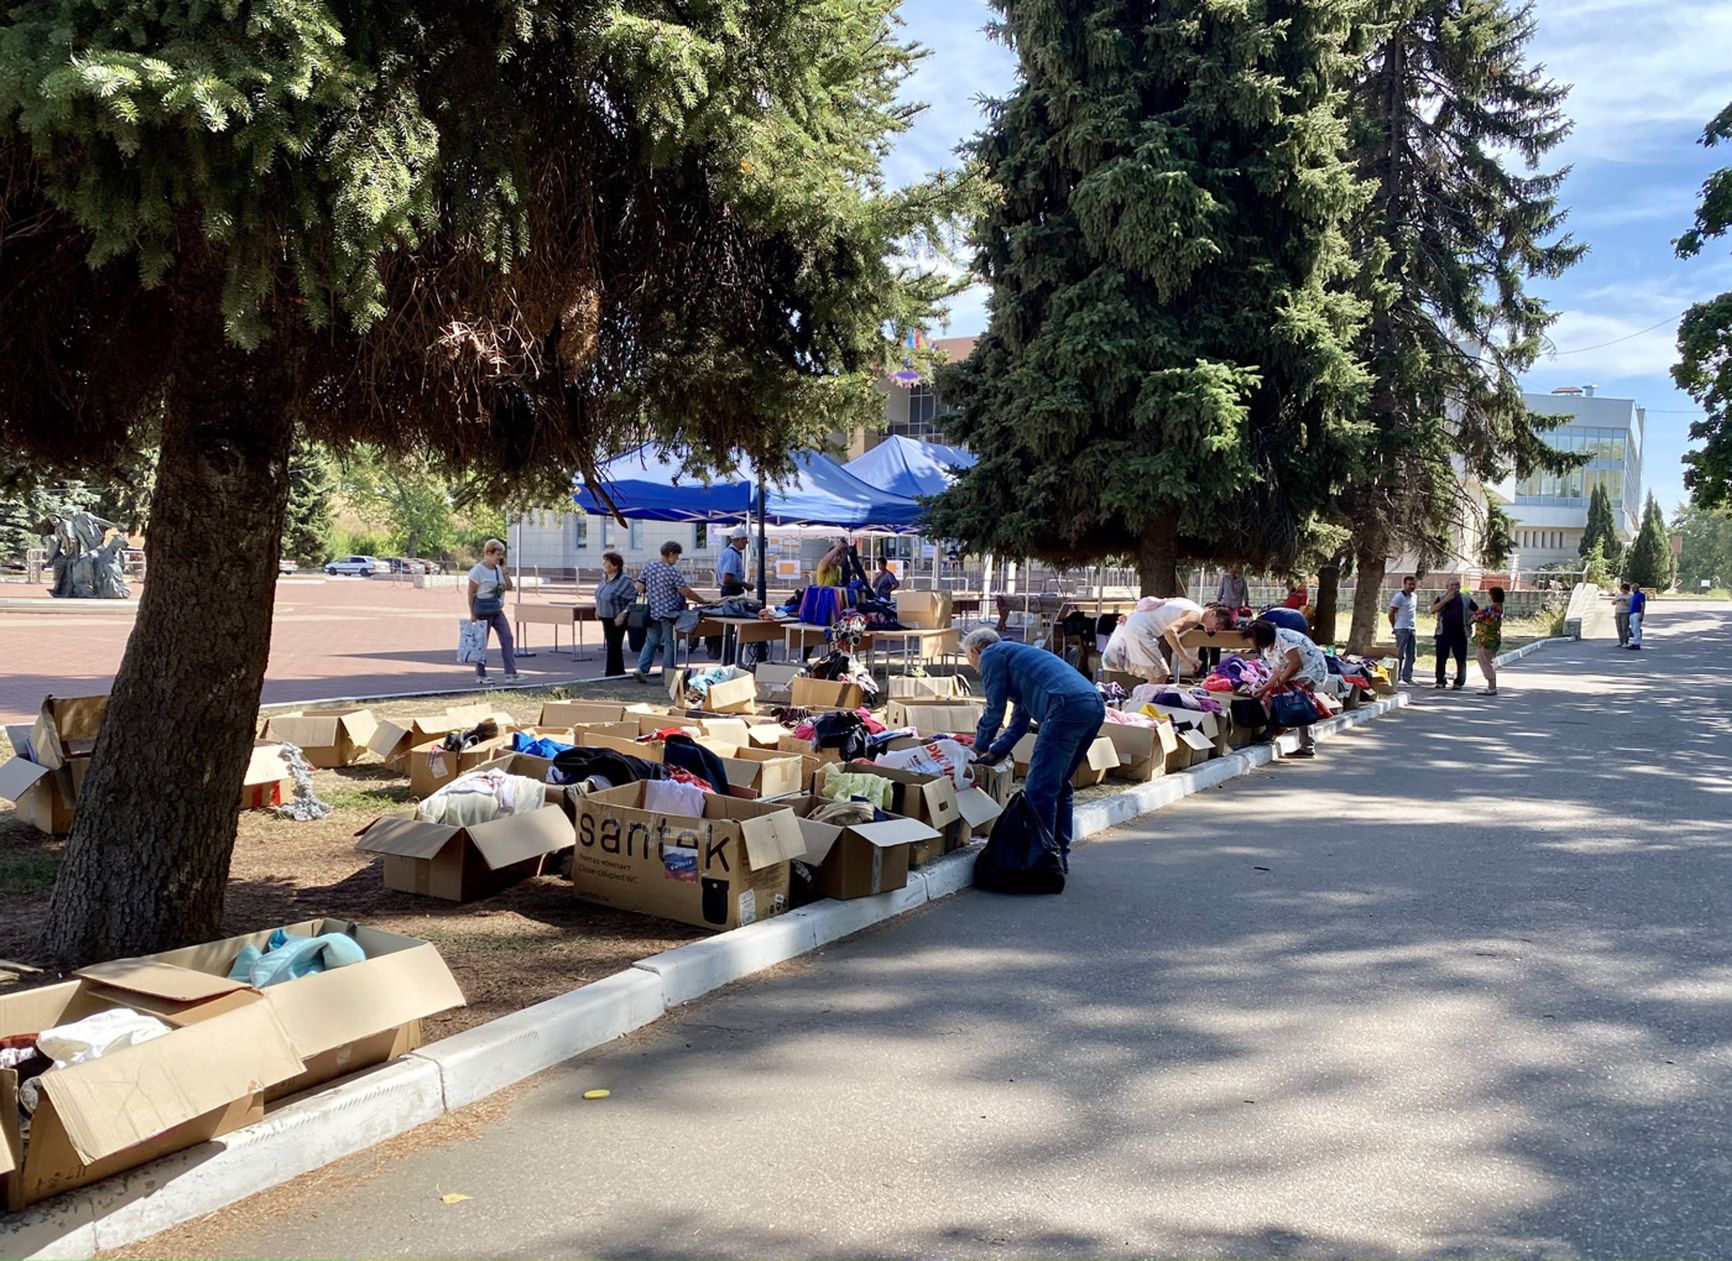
(718, 689)
(927, 687)
(587, 713)
(820, 694)
(852, 850)
(1101, 757)
(668, 849)
(327, 738)
(137, 1058)
(394, 738)
(935, 717)
(930, 798)
(760, 774)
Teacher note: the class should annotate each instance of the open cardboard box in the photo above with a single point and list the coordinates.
(338, 1022)
(930, 799)
(730, 730)
(923, 610)
(724, 869)
(737, 695)
(65, 729)
(790, 743)
(926, 687)
(759, 774)
(996, 781)
(823, 694)
(431, 766)
(776, 680)
(1102, 757)
(393, 738)
(935, 718)
(327, 738)
(460, 864)
(860, 859)
(266, 781)
(587, 713)
(1143, 751)
(204, 1078)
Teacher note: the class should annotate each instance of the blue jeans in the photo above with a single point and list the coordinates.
(658, 633)
(1067, 729)
(1406, 652)
(501, 626)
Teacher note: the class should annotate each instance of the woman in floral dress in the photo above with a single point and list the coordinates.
(1488, 634)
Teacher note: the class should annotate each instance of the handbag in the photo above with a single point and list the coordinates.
(1292, 708)
(637, 617)
(488, 605)
(471, 642)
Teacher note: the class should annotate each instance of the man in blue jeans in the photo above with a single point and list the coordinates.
(1047, 690)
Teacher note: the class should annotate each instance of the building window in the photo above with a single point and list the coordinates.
(700, 536)
(580, 529)
(634, 532)
(607, 531)
(925, 411)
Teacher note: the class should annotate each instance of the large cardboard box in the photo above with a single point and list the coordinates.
(1194, 748)
(793, 744)
(461, 864)
(586, 713)
(327, 737)
(393, 738)
(204, 1078)
(266, 781)
(738, 695)
(757, 774)
(997, 781)
(776, 680)
(341, 1021)
(1102, 756)
(930, 799)
(861, 859)
(823, 694)
(431, 766)
(926, 687)
(725, 869)
(923, 610)
(1143, 751)
(66, 728)
(44, 799)
(935, 718)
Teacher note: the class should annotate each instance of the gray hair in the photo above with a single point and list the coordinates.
(979, 639)
(491, 545)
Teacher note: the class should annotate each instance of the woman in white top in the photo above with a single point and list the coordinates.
(488, 582)
(1135, 646)
(1294, 661)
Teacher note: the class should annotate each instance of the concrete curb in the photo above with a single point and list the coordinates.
(469, 1066)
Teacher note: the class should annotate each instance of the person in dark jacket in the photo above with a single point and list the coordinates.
(1046, 690)
(1454, 612)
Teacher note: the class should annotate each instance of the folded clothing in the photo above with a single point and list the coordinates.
(481, 797)
(290, 956)
(875, 789)
(844, 813)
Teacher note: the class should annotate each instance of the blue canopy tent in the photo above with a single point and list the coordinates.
(909, 467)
(650, 486)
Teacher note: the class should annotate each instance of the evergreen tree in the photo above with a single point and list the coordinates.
(1602, 529)
(1704, 368)
(1650, 560)
(506, 236)
(307, 519)
(1449, 123)
(1167, 369)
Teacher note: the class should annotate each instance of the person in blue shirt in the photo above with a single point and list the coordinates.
(1638, 607)
(1047, 690)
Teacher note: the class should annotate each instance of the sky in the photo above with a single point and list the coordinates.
(1646, 77)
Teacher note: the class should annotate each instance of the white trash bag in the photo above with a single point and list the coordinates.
(471, 642)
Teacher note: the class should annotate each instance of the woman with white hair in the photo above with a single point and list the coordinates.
(489, 580)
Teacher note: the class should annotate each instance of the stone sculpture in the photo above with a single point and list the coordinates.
(86, 562)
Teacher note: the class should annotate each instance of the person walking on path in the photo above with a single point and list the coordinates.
(1488, 635)
(664, 589)
(1404, 621)
(614, 596)
(1454, 611)
(1638, 611)
(1047, 690)
(489, 580)
(1621, 614)
(1295, 661)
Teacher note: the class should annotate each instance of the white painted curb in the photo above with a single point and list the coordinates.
(471, 1065)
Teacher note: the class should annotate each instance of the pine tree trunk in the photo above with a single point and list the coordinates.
(1158, 556)
(1371, 563)
(1324, 608)
(148, 860)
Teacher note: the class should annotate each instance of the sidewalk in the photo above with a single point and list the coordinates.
(1456, 987)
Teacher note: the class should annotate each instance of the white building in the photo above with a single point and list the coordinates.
(1550, 510)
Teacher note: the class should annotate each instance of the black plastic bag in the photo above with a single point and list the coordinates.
(1020, 855)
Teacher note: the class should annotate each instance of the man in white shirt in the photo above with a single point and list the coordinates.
(1403, 615)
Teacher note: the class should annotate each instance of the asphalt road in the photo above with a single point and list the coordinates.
(1461, 987)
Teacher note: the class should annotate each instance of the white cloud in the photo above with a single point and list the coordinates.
(1639, 350)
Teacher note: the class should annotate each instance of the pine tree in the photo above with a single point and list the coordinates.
(1704, 368)
(1167, 367)
(1650, 560)
(1447, 113)
(307, 520)
(505, 236)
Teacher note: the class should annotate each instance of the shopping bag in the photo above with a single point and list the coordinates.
(471, 642)
(1292, 708)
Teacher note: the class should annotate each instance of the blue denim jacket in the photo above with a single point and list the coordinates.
(1032, 677)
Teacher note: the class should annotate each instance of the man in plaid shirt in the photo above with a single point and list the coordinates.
(661, 585)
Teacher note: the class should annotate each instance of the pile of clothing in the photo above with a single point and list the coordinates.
(1195, 699)
(481, 797)
(697, 683)
(290, 956)
(843, 666)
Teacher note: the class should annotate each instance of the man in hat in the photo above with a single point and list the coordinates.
(730, 577)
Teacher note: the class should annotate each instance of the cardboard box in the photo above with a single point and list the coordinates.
(266, 781)
(42, 798)
(996, 781)
(1194, 748)
(393, 738)
(461, 864)
(858, 860)
(738, 695)
(793, 744)
(808, 693)
(925, 687)
(716, 730)
(935, 718)
(327, 737)
(725, 869)
(1102, 756)
(762, 773)
(204, 1078)
(585, 713)
(66, 728)
(1143, 751)
(341, 1021)
(930, 799)
(923, 610)
(775, 681)
(431, 767)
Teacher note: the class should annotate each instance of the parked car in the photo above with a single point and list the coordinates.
(408, 565)
(286, 566)
(358, 566)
